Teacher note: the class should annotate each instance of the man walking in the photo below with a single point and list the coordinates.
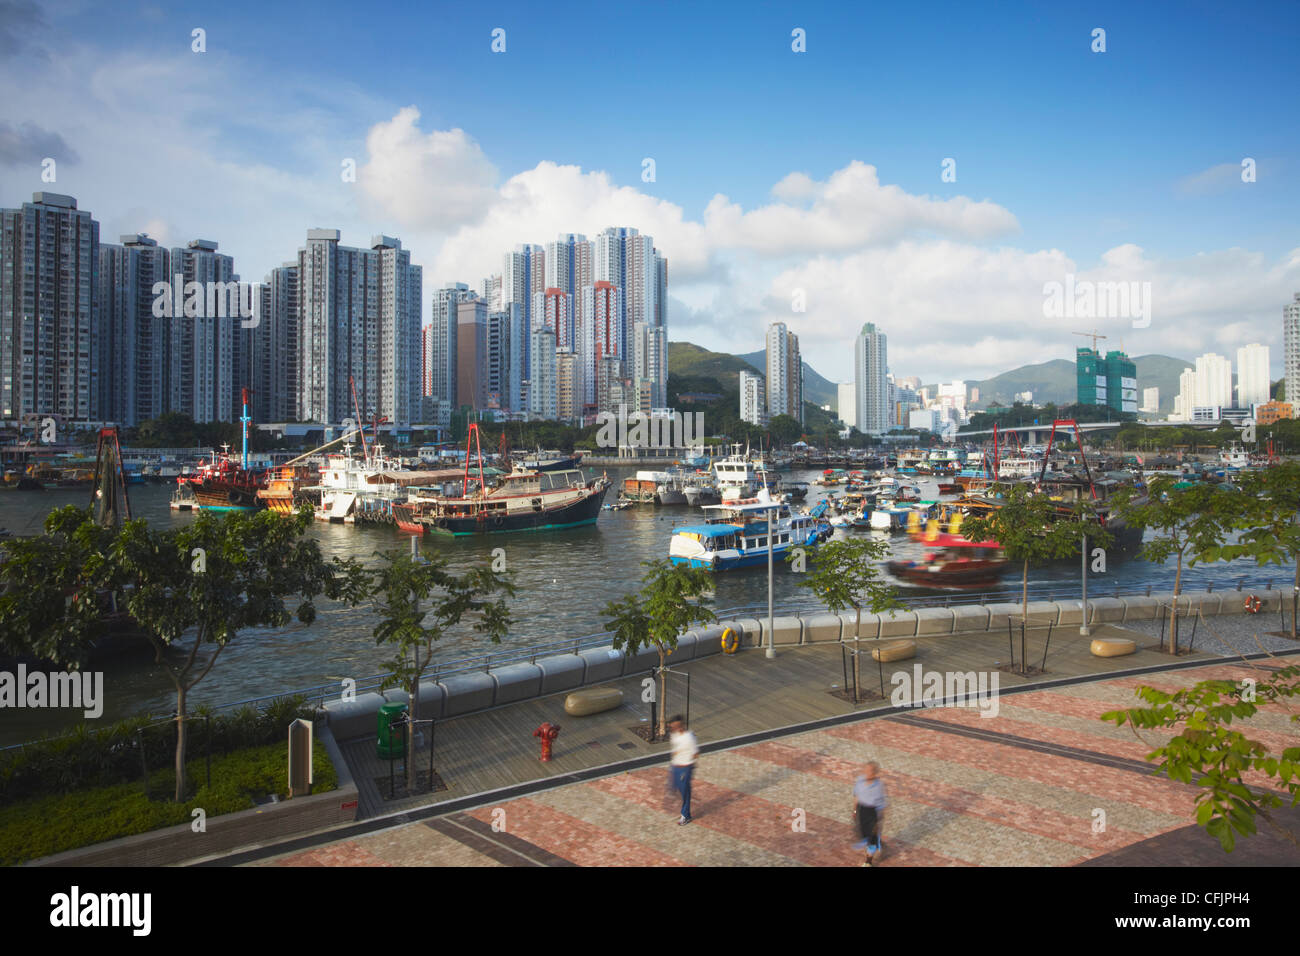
(869, 808)
(684, 751)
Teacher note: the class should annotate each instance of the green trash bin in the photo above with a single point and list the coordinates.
(392, 742)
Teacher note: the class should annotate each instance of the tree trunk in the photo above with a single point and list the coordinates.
(663, 690)
(1295, 594)
(1173, 617)
(180, 744)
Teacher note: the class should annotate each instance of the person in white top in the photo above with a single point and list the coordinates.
(685, 749)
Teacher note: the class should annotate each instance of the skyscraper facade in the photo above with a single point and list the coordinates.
(49, 264)
(472, 353)
(1291, 350)
(523, 276)
(871, 382)
(784, 373)
(1253, 383)
(440, 374)
(134, 344)
(753, 398)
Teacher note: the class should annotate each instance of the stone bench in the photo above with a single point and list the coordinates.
(592, 700)
(894, 651)
(1112, 647)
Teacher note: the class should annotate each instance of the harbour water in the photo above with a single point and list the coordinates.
(564, 579)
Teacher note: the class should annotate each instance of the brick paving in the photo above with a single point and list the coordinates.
(1026, 787)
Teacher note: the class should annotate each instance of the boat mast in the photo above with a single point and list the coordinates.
(361, 422)
(245, 419)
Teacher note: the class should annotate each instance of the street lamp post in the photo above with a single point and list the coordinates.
(1083, 565)
(771, 636)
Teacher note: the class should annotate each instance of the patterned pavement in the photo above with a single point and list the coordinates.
(1031, 786)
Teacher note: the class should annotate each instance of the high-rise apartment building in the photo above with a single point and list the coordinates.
(273, 363)
(649, 359)
(360, 328)
(569, 386)
(1109, 380)
(847, 404)
(753, 398)
(1253, 383)
(49, 264)
(1213, 382)
(1291, 350)
(206, 348)
(626, 259)
(543, 387)
(507, 342)
(784, 373)
(472, 353)
(133, 343)
(523, 276)
(440, 373)
(569, 269)
(871, 381)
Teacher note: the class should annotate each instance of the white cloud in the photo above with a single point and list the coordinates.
(438, 179)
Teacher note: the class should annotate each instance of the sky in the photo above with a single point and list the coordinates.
(929, 168)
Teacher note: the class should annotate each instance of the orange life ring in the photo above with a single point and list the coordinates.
(729, 641)
(1253, 604)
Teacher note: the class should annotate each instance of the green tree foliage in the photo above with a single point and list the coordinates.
(1191, 522)
(1269, 523)
(666, 605)
(190, 591)
(1033, 530)
(1216, 757)
(845, 574)
(419, 600)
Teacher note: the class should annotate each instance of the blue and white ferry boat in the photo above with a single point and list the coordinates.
(740, 538)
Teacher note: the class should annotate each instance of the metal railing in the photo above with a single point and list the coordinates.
(484, 663)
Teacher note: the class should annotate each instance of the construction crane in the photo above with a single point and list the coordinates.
(1094, 335)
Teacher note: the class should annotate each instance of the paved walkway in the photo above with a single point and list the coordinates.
(730, 696)
(1043, 783)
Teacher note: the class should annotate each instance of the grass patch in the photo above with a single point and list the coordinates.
(40, 826)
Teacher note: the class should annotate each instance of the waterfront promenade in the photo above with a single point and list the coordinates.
(1031, 786)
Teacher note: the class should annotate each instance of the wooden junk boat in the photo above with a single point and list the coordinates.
(523, 500)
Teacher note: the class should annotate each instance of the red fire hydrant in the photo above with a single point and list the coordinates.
(547, 732)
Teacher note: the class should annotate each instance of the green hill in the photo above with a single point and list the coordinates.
(693, 362)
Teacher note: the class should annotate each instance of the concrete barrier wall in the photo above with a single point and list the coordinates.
(466, 693)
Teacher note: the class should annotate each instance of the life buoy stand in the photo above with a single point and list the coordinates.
(730, 642)
(1253, 604)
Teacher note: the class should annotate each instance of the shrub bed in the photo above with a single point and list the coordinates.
(39, 826)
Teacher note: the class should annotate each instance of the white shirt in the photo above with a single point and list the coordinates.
(685, 748)
(869, 793)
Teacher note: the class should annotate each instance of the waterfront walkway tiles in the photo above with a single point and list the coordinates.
(731, 696)
(963, 790)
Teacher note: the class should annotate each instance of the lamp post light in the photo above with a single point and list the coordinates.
(1083, 565)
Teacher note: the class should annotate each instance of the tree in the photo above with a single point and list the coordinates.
(1217, 756)
(50, 606)
(1033, 530)
(1269, 525)
(664, 607)
(409, 589)
(844, 574)
(1192, 522)
(203, 584)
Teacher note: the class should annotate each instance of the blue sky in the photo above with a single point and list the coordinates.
(1072, 152)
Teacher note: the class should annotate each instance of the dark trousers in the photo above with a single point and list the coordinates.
(867, 824)
(682, 784)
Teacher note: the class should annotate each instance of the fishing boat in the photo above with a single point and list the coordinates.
(740, 477)
(289, 486)
(954, 562)
(227, 483)
(522, 500)
(552, 461)
(739, 538)
(699, 490)
(365, 489)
